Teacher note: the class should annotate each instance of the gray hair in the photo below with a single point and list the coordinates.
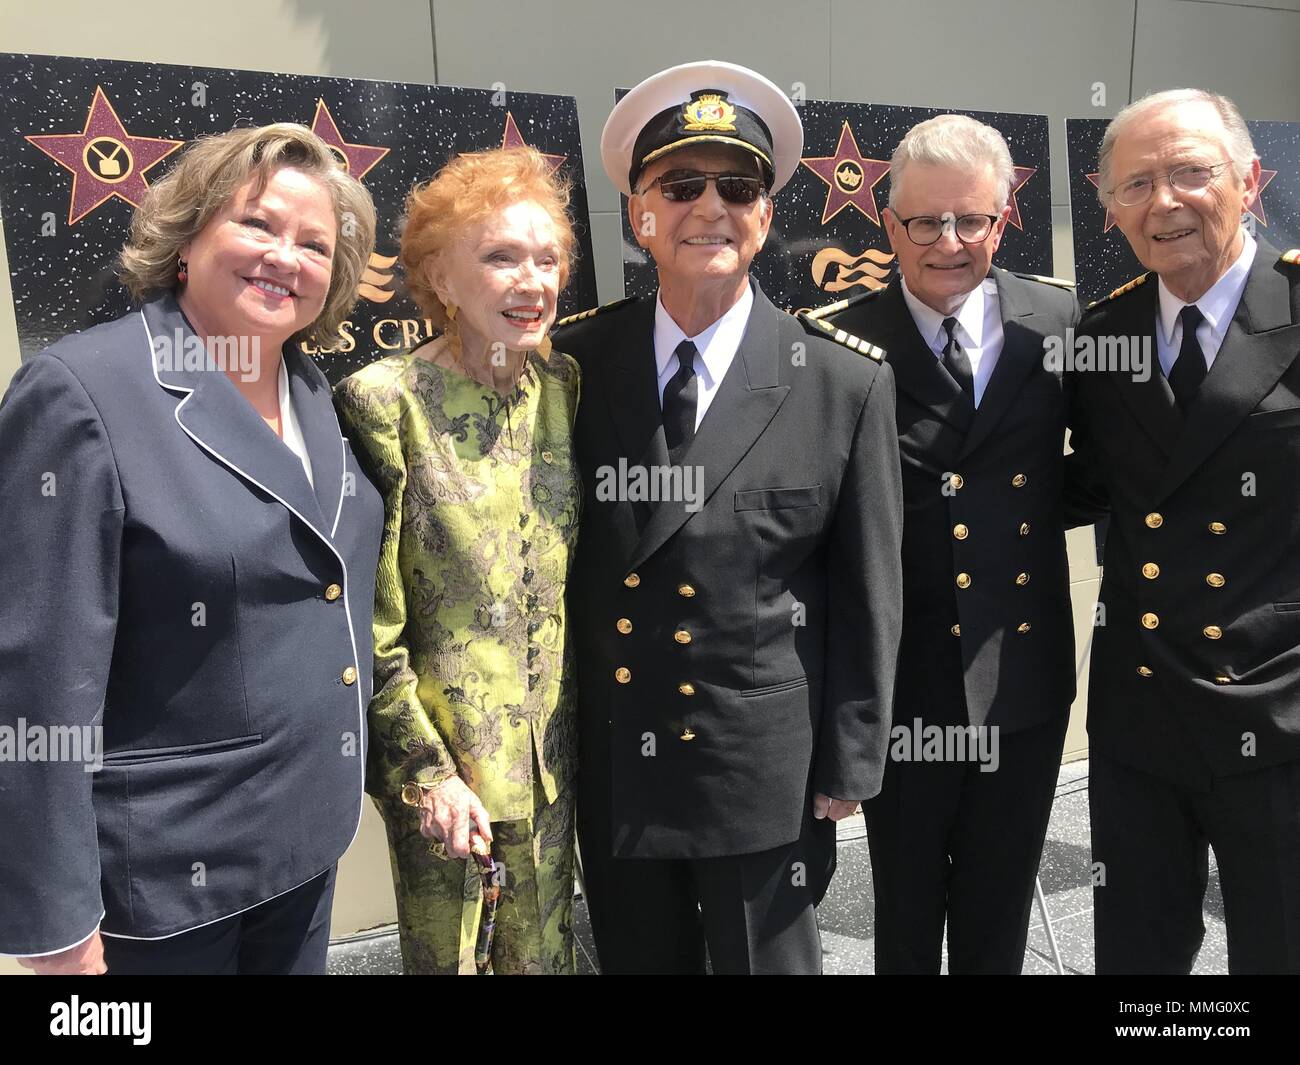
(1237, 141)
(957, 141)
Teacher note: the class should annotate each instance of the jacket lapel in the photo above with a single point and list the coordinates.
(916, 370)
(1151, 402)
(314, 408)
(1022, 350)
(1260, 344)
(213, 414)
(746, 401)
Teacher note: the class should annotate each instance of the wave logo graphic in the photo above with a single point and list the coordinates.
(835, 270)
(376, 278)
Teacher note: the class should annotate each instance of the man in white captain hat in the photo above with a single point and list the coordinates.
(736, 596)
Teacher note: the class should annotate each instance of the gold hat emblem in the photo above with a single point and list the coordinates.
(709, 111)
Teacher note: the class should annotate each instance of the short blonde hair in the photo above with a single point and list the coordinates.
(209, 173)
(464, 192)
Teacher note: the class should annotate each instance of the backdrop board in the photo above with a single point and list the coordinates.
(828, 239)
(1102, 258)
(84, 138)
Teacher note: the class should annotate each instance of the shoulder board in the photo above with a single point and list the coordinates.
(591, 312)
(1059, 282)
(1292, 256)
(847, 339)
(818, 313)
(1127, 287)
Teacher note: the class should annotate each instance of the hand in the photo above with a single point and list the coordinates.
(85, 959)
(835, 809)
(450, 812)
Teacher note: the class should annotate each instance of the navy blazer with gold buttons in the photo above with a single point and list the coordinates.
(174, 578)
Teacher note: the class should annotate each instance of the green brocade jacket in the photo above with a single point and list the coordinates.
(481, 507)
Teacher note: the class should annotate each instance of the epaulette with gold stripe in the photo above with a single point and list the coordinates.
(1292, 256)
(1059, 282)
(851, 342)
(1128, 286)
(818, 313)
(591, 312)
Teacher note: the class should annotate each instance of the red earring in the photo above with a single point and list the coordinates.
(182, 274)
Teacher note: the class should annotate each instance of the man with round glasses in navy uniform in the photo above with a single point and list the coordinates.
(987, 648)
(735, 599)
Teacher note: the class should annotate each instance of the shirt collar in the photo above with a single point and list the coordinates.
(970, 317)
(717, 345)
(1219, 303)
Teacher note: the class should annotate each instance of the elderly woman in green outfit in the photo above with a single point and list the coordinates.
(468, 438)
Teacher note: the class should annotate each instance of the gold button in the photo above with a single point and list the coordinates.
(1022, 578)
(682, 636)
(622, 674)
(333, 592)
(687, 735)
(1222, 678)
(686, 689)
(960, 532)
(1145, 671)
(349, 676)
(1215, 580)
(955, 630)
(1218, 528)
(1024, 529)
(686, 591)
(956, 480)
(1154, 520)
(1150, 570)
(631, 580)
(623, 625)
(1150, 621)
(1023, 627)
(963, 580)
(1213, 632)
(547, 457)
(1019, 481)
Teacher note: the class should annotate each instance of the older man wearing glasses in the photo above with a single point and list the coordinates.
(1194, 696)
(736, 596)
(987, 654)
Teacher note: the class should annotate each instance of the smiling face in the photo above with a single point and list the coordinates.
(262, 265)
(706, 239)
(503, 276)
(944, 273)
(1188, 238)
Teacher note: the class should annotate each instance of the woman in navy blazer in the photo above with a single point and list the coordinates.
(186, 621)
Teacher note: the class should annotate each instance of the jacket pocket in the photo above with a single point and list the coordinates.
(772, 689)
(1285, 418)
(779, 498)
(188, 750)
(1283, 608)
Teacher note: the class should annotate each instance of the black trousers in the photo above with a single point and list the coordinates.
(754, 913)
(949, 842)
(1152, 839)
(284, 936)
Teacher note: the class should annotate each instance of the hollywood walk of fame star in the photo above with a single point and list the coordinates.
(1020, 175)
(512, 138)
(850, 177)
(360, 159)
(105, 160)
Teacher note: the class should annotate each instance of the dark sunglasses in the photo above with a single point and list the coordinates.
(682, 186)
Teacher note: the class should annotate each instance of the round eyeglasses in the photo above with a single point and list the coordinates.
(926, 229)
(1194, 177)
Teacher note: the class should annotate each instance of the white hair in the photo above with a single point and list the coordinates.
(1236, 142)
(956, 141)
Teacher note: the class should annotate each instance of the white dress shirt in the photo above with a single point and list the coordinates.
(716, 347)
(1217, 307)
(290, 431)
(978, 329)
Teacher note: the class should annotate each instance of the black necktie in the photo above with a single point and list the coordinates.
(956, 362)
(679, 402)
(1188, 370)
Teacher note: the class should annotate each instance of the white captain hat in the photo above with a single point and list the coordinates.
(710, 102)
